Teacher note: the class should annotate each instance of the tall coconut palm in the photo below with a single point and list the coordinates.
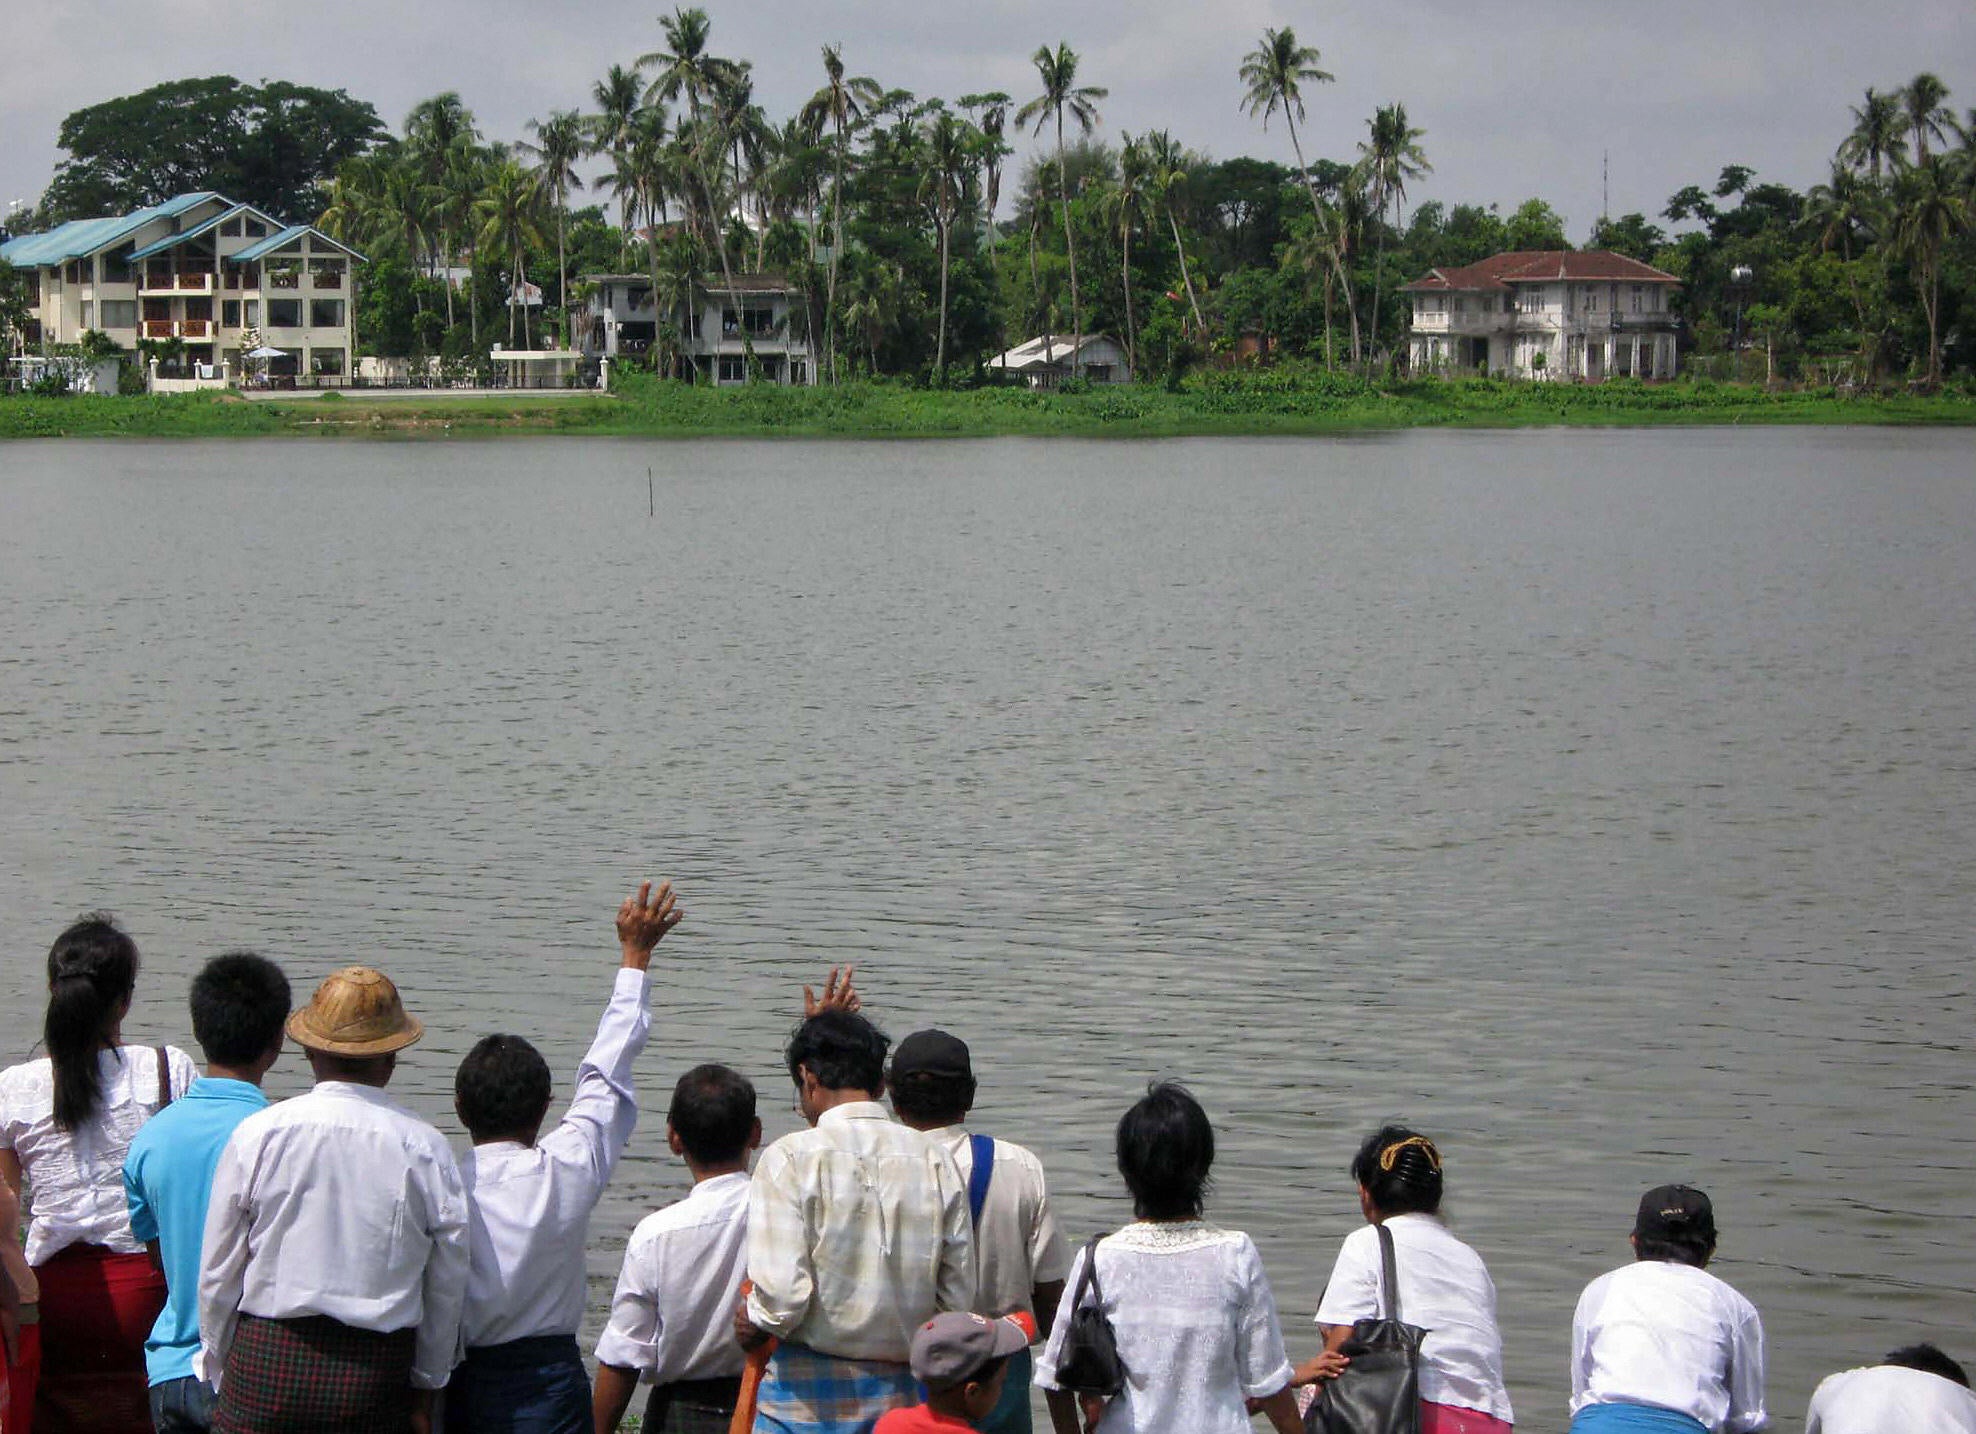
(510, 222)
(434, 129)
(1125, 208)
(1057, 69)
(1168, 176)
(687, 68)
(559, 143)
(1844, 214)
(1924, 107)
(618, 97)
(949, 146)
(1928, 214)
(840, 103)
(1276, 72)
(1388, 158)
(1879, 134)
(460, 183)
(990, 113)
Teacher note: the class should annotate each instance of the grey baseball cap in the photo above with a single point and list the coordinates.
(951, 1348)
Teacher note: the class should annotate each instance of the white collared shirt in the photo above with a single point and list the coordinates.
(1017, 1245)
(857, 1235)
(341, 1203)
(672, 1317)
(1890, 1399)
(1444, 1289)
(531, 1204)
(1196, 1326)
(1669, 1335)
(74, 1191)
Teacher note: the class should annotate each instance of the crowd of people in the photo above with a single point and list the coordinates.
(197, 1258)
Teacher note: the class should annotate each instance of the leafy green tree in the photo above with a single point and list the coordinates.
(1879, 134)
(510, 224)
(1168, 185)
(1057, 69)
(1535, 225)
(559, 142)
(15, 311)
(273, 146)
(1928, 214)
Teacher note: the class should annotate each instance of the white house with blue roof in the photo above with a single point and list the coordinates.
(220, 277)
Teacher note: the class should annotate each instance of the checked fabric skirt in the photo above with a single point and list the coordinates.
(314, 1376)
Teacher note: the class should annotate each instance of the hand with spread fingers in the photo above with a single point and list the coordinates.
(838, 994)
(643, 920)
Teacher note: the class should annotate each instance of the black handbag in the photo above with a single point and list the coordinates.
(1379, 1392)
(1089, 1363)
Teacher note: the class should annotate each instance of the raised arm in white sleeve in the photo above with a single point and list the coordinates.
(604, 1111)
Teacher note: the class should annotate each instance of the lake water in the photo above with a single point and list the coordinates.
(1598, 802)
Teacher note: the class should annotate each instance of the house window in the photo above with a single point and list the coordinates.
(230, 313)
(284, 313)
(1461, 304)
(1098, 372)
(1592, 300)
(119, 313)
(325, 313)
(326, 362)
(799, 372)
(1509, 303)
(116, 267)
(733, 368)
(1530, 300)
(231, 229)
(326, 273)
(88, 314)
(256, 229)
(1639, 298)
(253, 313)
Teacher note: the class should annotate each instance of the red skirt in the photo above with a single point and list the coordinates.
(97, 1307)
(23, 1374)
(1453, 1419)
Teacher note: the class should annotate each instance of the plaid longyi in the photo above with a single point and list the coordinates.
(804, 1392)
(315, 1375)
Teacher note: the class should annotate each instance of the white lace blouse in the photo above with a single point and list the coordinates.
(74, 1179)
(1196, 1326)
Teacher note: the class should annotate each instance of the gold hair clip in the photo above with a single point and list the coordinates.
(1392, 1152)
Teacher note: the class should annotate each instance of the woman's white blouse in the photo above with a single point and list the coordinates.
(74, 1179)
(1196, 1327)
(1446, 1290)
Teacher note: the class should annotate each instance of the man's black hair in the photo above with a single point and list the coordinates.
(926, 1098)
(240, 1002)
(713, 1113)
(1165, 1150)
(842, 1049)
(1929, 1360)
(503, 1088)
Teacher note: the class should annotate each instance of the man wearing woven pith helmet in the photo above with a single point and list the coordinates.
(335, 1261)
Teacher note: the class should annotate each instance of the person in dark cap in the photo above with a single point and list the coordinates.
(1662, 1345)
(1020, 1255)
(963, 1360)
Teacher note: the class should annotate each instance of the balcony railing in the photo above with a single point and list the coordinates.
(195, 328)
(160, 329)
(331, 282)
(1655, 319)
(198, 330)
(279, 279)
(158, 281)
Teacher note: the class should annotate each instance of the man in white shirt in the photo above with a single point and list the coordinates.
(531, 1199)
(1913, 1389)
(1020, 1255)
(334, 1265)
(672, 1317)
(1661, 1343)
(858, 1233)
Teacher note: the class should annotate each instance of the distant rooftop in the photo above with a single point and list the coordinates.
(1536, 266)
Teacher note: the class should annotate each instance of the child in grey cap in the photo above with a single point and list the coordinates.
(962, 1360)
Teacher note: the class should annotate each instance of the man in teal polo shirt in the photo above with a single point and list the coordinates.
(239, 1005)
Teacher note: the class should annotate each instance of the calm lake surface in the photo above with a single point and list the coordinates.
(1598, 802)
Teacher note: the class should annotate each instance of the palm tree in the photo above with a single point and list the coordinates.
(1387, 160)
(1058, 71)
(1929, 213)
(838, 104)
(1275, 72)
(559, 142)
(949, 146)
(510, 221)
(1843, 211)
(1879, 134)
(618, 97)
(1167, 179)
(1125, 207)
(1923, 104)
(688, 69)
(434, 129)
(459, 189)
(991, 117)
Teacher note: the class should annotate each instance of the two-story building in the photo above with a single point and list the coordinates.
(714, 332)
(220, 277)
(1551, 314)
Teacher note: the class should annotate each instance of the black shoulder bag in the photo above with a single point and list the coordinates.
(1379, 1392)
(1089, 1363)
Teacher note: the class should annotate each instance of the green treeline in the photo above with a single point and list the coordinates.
(922, 252)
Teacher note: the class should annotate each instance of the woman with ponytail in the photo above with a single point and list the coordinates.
(88, 1288)
(1444, 1287)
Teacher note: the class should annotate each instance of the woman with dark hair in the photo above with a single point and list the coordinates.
(1662, 1345)
(66, 1121)
(1189, 1303)
(1444, 1287)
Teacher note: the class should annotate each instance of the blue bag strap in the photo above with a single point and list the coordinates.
(983, 1147)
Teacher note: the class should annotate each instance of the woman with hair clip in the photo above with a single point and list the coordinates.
(1444, 1287)
(66, 1121)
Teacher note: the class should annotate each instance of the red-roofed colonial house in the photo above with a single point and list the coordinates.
(1570, 314)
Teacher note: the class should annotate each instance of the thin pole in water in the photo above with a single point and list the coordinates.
(651, 495)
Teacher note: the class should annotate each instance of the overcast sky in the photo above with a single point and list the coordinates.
(1517, 97)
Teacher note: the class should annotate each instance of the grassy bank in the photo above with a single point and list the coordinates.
(1275, 402)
